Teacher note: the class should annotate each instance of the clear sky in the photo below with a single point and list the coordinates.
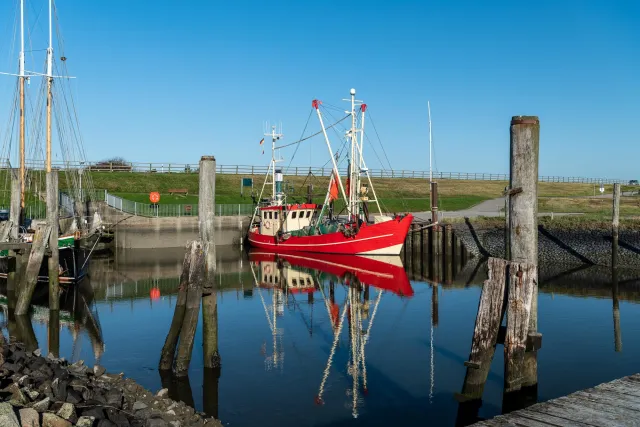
(169, 80)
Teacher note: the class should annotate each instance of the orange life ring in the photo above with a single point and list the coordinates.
(267, 224)
(267, 269)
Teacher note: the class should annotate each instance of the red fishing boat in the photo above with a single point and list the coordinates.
(280, 226)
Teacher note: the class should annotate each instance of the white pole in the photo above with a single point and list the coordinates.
(50, 49)
(21, 57)
(333, 160)
(354, 141)
(430, 143)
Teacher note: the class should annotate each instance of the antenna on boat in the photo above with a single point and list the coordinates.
(276, 175)
(49, 87)
(22, 78)
(430, 143)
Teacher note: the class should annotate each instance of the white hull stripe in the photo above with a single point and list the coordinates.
(395, 250)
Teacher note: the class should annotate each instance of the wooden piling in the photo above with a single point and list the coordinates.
(26, 334)
(616, 212)
(15, 258)
(448, 254)
(30, 278)
(197, 277)
(617, 332)
(54, 333)
(168, 350)
(210, 391)
(210, 330)
(522, 282)
(206, 212)
(434, 202)
(54, 257)
(523, 224)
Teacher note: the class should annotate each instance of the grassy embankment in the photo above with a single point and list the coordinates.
(396, 194)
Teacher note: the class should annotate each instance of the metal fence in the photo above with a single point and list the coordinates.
(299, 171)
(173, 210)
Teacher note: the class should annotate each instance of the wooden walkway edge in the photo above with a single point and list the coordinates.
(616, 403)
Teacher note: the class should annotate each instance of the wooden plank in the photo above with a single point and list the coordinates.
(14, 246)
(623, 387)
(522, 283)
(490, 310)
(605, 398)
(30, 277)
(588, 414)
(548, 419)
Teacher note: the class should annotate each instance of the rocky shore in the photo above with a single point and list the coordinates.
(45, 391)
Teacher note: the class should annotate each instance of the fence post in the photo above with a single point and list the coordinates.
(135, 208)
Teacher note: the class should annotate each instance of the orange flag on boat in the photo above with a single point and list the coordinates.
(333, 188)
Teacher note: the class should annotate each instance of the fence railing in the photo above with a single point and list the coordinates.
(173, 210)
(297, 171)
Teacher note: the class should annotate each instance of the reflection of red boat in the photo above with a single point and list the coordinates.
(385, 273)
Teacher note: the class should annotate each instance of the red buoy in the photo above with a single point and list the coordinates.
(154, 197)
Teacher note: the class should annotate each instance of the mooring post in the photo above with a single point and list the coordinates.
(52, 220)
(54, 333)
(206, 213)
(434, 202)
(169, 349)
(197, 277)
(523, 247)
(616, 212)
(15, 257)
(30, 279)
(448, 254)
(210, 330)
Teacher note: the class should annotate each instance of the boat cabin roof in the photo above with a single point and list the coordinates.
(290, 207)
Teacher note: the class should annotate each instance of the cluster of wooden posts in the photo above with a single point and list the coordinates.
(24, 259)
(197, 284)
(511, 289)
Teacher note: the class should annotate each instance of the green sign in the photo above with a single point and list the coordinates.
(247, 182)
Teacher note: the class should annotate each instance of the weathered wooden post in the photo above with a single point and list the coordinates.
(616, 213)
(15, 215)
(54, 333)
(206, 212)
(197, 276)
(54, 257)
(169, 349)
(523, 248)
(210, 330)
(26, 333)
(30, 279)
(617, 332)
(434, 202)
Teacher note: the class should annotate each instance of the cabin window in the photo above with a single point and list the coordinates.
(275, 215)
(308, 214)
(308, 281)
(293, 215)
(294, 282)
(277, 280)
(265, 277)
(271, 279)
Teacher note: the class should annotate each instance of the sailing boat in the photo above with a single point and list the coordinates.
(279, 226)
(78, 240)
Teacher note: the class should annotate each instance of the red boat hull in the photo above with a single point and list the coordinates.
(385, 238)
(384, 273)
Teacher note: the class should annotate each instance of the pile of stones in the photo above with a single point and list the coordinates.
(45, 391)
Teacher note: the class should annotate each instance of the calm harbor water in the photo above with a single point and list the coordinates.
(401, 347)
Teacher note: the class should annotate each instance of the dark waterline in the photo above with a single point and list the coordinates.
(414, 362)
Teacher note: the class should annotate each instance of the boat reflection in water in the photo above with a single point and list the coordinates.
(292, 274)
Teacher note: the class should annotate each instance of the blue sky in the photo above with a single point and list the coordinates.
(169, 81)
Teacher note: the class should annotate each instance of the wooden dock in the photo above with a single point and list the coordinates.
(616, 403)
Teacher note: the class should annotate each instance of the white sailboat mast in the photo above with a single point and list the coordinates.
(430, 143)
(49, 87)
(22, 77)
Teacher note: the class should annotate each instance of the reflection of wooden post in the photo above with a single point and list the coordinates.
(617, 333)
(210, 385)
(523, 221)
(30, 278)
(52, 219)
(434, 305)
(54, 333)
(210, 330)
(169, 348)
(448, 254)
(616, 212)
(194, 295)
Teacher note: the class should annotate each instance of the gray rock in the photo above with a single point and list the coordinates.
(68, 412)
(7, 416)
(156, 422)
(29, 417)
(95, 413)
(33, 395)
(85, 422)
(171, 412)
(106, 423)
(37, 352)
(43, 405)
(162, 393)
(175, 423)
(139, 405)
(52, 420)
(98, 370)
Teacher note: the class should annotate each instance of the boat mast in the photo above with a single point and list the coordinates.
(430, 143)
(49, 87)
(276, 175)
(354, 168)
(22, 77)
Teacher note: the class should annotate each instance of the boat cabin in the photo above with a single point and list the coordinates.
(285, 218)
(285, 278)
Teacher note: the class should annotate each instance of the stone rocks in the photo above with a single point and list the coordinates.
(29, 417)
(7, 416)
(59, 394)
(52, 420)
